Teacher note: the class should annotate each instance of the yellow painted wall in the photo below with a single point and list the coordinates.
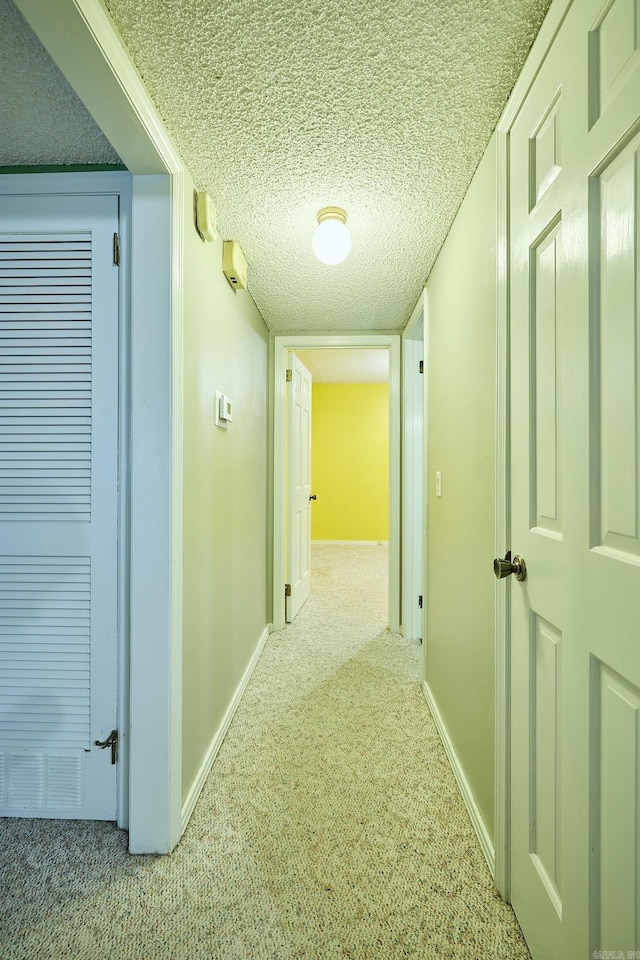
(350, 461)
(225, 565)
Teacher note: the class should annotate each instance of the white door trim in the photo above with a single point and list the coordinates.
(537, 54)
(281, 344)
(81, 39)
(413, 472)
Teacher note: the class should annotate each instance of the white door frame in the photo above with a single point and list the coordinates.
(81, 39)
(414, 507)
(502, 832)
(281, 345)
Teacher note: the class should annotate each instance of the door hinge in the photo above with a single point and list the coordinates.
(116, 250)
(422, 366)
(111, 741)
(420, 601)
(289, 376)
(287, 589)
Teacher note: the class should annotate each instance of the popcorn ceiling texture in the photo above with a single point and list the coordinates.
(281, 108)
(42, 121)
(340, 365)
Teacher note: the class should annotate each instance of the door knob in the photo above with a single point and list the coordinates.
(504, 568)
(313, 497)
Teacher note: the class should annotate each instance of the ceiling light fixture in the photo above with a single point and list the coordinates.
(331, 241)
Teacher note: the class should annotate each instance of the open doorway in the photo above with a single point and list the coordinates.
(340, 345)
(349, 445)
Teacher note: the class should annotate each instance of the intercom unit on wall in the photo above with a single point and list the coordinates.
(234, 265)
(205, 217)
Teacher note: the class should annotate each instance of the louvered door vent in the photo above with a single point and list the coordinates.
(45, 377)
(38, 781)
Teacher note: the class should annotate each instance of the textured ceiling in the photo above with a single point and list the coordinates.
(42, 121)
(281, 108)
(341, 365)
(284, 107)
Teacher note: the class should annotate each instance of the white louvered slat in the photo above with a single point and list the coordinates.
(45, 354)
(45, 691)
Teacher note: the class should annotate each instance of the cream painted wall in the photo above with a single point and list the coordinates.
(461, 378)
(225, 494)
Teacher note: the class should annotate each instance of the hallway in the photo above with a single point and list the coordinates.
(330, 827)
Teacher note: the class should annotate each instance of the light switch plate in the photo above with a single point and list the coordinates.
(223, 410)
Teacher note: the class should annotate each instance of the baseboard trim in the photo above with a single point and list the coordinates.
(351, 543)
(211, 754)
(478, 823)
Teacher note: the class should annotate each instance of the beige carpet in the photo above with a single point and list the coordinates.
(330, 827)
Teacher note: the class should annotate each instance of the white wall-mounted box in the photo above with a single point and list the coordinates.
(234, 265)
(205, 217)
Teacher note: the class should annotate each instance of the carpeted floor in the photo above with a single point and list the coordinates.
(330, 828)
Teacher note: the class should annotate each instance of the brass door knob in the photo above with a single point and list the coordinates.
(504, 568)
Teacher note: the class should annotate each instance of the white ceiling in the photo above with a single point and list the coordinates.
(342, 365)
(41, 118)
(284, 107)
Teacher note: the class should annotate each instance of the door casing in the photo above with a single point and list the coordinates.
(414, 489)
(280, 345)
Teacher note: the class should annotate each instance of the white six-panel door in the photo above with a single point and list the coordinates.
(299, 486)
(58, 505)
(575, 403)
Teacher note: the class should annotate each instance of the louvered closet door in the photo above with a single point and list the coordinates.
(58, 505)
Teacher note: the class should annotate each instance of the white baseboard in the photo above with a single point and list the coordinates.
(216, 743)
(352, 543)
(484, 839)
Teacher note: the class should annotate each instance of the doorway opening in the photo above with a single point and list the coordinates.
(341, 346)
(348, 508)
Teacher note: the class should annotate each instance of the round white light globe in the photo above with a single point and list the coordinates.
(331, 242)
